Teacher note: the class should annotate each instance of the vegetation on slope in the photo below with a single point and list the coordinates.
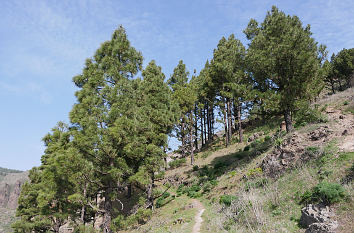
(105, 168)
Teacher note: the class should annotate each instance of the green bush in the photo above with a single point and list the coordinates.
(160, 175)
(193, 191)
(308, 115)
(195, 168)
(324, 192)
(159, 202)
(209, 185)
(267, 138)
(260, 182)
(247, 148)
(180, 190)
(227, 199)
(254, 172)
(313, 151)
(255, 143)
(206, 154)
(220, 165)
(177, 163)
(85, 229)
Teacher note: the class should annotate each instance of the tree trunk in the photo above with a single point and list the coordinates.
(196, 128)
(207, 128)
(191, 137)
(129, 191)
(225, 124)
(288, 122)
(340, 85)
(202, 126)
(107, 217)
(57, 224)
(212, 122)
(239, 122)
(183, 139)
(82, 217)
(332, 86)
(150, 198)
(229, 128)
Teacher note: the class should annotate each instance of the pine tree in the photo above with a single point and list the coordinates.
(341, 70)
(178, 82)
(44, 202)
(229, 77)
(158, 115)
(284, 57)
(98, 116)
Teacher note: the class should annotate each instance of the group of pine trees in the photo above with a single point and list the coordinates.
(116, 141)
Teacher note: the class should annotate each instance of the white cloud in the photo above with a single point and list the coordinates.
(27, 90)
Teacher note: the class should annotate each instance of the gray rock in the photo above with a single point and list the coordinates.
(318, 219)
(322, 228)
(319, 133)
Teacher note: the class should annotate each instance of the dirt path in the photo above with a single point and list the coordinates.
(343, 128)
(198, 217)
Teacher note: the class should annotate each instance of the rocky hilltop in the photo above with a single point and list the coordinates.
(10, 188)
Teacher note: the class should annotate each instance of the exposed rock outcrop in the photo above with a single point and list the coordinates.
(318, 219)
(292, 151)
(284, 156)
(10, 189)
(319, 133)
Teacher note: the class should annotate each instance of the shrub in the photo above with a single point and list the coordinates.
(160, 175)
(227, 199)
(85, 229)
(180, 190)
(260, 182)
(177, 163)
(345, 102)
(254, 172)
(247, 148)
(193, 191)
(140, 217)
(195, 168)
(313, 151)
(209, 185)
(159, 202)
(255, 143)
(278, 142)
(309, 115)
(219, 165)
(324, 192)
(267, 138)
(206, 154)
(232, 173)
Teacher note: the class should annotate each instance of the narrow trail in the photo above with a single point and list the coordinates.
(198, 217)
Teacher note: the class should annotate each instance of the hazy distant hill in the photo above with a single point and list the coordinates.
(5, 171)
(10, 188)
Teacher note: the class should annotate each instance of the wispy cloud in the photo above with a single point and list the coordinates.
(26, 90)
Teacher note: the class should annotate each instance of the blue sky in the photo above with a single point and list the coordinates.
(43, 44)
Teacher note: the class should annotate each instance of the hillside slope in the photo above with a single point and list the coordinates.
(10, 188)
(259, 186)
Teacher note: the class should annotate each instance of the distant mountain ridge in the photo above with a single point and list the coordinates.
(10, 186)
(5, 171)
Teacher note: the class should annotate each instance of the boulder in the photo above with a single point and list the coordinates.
(319, 133)
(317, 219)
(322, 228)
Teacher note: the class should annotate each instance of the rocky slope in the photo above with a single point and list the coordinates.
(266, 176)
(10, 188)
